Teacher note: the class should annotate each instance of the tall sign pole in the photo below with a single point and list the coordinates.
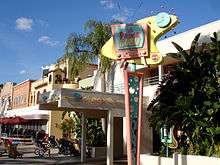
(136, 43)
(133, 111)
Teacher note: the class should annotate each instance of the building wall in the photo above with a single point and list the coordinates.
(26, 94)
(88, 71)
(114, 79)
(118, 137)
(21, 93)
(179, 159)
(55, 123)
(6, 97)
(185, 39)
(6, 90)
(64, 70)
(37, 88)
(53, 80)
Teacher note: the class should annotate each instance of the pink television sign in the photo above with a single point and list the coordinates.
(131, 40)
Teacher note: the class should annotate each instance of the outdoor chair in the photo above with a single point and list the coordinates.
(11, 149)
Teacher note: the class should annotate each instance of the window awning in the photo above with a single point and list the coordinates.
(28, 113)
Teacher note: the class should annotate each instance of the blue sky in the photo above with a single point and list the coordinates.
(33, 32)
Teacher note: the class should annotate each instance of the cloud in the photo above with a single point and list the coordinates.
(47, 41)
(23, 72)
(108, 4)
(24, 24)
(123, 15)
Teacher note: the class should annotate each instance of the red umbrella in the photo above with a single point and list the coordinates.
(13, 120)
(3, 120)
(17, 120)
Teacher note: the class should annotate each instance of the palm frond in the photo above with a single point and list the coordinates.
(194, 44)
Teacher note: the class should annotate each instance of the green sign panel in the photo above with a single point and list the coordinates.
(130, 40)
(129, 37)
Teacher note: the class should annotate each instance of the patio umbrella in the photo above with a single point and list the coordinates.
(13, 120)
(17, 120)
(3, 120)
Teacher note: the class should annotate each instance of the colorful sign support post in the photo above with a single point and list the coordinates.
(136, 43)
(133, 105)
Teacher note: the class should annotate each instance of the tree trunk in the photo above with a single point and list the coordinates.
(103, 89)
(103, 83)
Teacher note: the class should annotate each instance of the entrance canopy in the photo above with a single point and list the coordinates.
(91, 103)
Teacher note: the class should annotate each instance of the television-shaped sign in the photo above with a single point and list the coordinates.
(131, 40)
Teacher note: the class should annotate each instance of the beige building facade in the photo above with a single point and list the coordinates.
(6, 93)
(26, 95)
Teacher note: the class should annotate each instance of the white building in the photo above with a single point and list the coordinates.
(115, 77)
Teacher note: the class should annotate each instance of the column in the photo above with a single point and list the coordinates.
(124, 136)
(83, 137)
(110, 138)
(160, 72)
(103, 120)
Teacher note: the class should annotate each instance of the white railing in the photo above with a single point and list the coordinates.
(119, 88)
(151, 81)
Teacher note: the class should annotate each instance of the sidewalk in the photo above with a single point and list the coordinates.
(30, 158)
(92, 162)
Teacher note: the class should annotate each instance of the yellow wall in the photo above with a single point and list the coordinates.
(47, 84)
(55, 122)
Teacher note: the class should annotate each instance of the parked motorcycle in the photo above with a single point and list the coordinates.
(66, 147)
(43, 150)
(43, 145)
(53, 142)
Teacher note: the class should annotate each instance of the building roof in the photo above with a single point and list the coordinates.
(24, 82)
(184, 39)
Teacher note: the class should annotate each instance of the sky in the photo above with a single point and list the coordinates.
(33, 32)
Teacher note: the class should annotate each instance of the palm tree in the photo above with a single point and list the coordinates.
(76, 51)
(84, 49)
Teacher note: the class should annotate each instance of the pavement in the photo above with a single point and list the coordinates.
(30, 158)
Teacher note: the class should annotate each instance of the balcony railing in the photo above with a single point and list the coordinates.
(119, 88)
(152, 80)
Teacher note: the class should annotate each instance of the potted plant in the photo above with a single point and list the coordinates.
(95, 137)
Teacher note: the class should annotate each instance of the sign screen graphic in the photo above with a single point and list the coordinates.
(129, 37)
(130, 40)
